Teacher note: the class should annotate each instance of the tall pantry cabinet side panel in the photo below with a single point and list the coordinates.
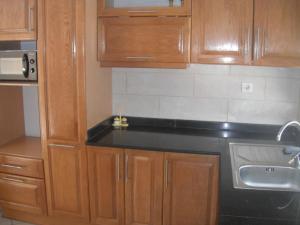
(63, 108)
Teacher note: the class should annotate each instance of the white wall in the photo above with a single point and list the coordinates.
(208, 92)
(31, 111)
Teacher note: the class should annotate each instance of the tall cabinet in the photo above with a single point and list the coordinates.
(64, 103)
(62, 52)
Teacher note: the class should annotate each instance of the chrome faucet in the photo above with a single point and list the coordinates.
(291, 149)
(284, 127)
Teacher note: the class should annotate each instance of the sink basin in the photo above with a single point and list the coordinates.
(263, 167)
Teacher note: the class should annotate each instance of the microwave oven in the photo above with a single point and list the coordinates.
(18, 65)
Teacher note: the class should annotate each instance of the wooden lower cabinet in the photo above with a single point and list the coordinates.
(135, 187)
(22, 194)
(106, 170)
(191, 189)
(143, 187)
(67, 182)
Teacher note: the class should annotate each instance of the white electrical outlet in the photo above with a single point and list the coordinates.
(247, 87)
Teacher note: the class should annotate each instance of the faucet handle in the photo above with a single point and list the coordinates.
(288, 150)
(296, 160)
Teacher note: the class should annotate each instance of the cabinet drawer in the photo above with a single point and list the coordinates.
(23, 194)
(139, 41)
(21, 166)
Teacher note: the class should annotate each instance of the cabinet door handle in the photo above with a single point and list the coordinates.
(118, 167)
(12, 179)
(142, 11)
(126, 168)
(139, 58)
(258, 44)
(61, 146)
(166, 173)
(31, 18)
(11, 166)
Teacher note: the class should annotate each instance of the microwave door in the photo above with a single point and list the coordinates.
(11, 69)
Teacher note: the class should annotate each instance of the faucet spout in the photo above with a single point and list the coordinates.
(284, 127)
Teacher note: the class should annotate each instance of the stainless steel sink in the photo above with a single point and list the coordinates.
(263, 167)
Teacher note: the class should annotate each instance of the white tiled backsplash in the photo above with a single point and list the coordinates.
(209, 92)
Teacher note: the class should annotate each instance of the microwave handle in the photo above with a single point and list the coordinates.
(25, 62)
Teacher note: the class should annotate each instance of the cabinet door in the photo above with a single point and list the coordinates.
(144, 8)
(23, 194)
(222, 31)
(277, 32)
(18, 19)
(144, 42)
(68, 182)
(143, 187)
(191, 189)
(64, 73)
(106, 183)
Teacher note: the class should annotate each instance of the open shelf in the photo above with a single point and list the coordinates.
(29, 147)
(19, 119)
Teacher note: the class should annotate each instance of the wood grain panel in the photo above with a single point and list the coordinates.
(26, 147)
(191, 189)
(144, 40)
(23, 194)
(62, 77)
(143, 187)
(277, 33)
(222, 31)
(106, 167)
(68, 178)
(18, 19)
(21, 166)
(63, 109)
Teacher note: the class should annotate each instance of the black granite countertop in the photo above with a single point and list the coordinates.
(237, 207)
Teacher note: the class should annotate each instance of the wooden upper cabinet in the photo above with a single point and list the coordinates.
(143, 187)
(144, 42)
(106, 177)
(222, 31)
(191, 189)
(144, 8)
(68, 182)
(277, 33)
(18, 19)
(63, 71)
